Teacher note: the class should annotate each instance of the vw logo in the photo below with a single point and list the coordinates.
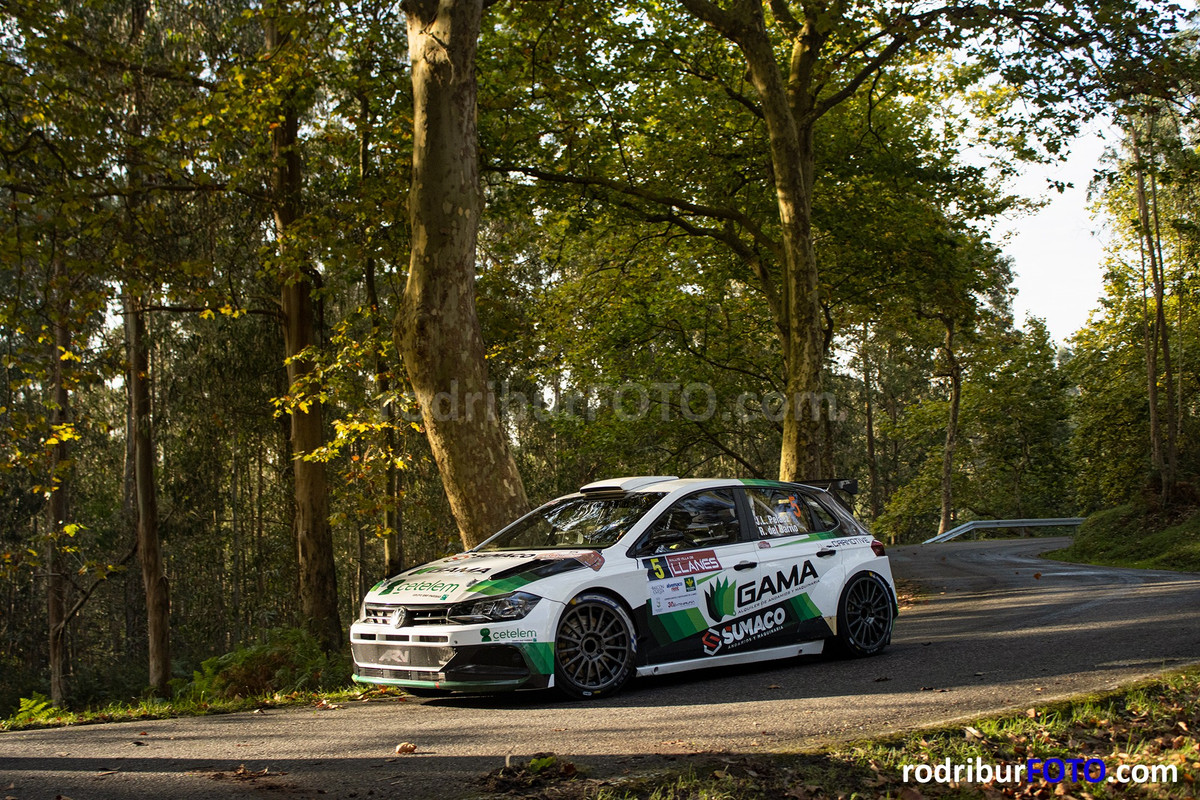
(399, 617)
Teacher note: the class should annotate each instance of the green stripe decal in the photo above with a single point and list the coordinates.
(676, 625)
(814, 537)
(540, 656)
(503, 585)
(804, 607)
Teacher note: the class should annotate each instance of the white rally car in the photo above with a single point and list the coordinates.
(645, 576)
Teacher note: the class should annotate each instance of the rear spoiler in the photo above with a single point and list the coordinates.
(841, 489)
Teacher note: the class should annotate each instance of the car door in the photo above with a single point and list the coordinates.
(799, 568)
(695, 555)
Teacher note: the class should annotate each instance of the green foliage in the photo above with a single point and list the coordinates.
(1115, 355)
(144, 162)
(33, 709)
(1135, 535)
(1148, 723)
(290, 660)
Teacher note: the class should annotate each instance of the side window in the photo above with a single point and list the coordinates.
(778, 513)
(705, 519)
(821, 517)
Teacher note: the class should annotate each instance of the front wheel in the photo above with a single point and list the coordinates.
(594, 647)
(865, 616)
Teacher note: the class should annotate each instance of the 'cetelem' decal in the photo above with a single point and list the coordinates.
(488, 635)
(425, 588)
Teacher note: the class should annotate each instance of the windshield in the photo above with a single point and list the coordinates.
(575, 522)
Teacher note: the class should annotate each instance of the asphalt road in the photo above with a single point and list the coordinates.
(999, 628)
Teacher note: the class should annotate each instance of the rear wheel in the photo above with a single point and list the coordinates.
(594, 647)
(865, 616)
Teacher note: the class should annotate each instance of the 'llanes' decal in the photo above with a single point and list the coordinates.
(681, 564)
(693, 563)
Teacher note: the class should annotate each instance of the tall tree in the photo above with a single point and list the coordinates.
(809, 58)
(314, 539)
(437, 328)
(137, 382)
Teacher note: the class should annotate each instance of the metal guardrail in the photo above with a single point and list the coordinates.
(976, 524)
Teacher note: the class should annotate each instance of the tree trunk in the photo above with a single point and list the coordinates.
(954, 372)
(314, 539)
(1159, 267)
(437, 328)
(1153, 328)
(869, 402)
(149, 545)
(57, 507)
(790, 115)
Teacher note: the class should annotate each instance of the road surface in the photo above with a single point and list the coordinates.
(998, 628)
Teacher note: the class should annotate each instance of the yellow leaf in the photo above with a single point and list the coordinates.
(207, 314)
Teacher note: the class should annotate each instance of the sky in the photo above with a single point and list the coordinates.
(1057, 251)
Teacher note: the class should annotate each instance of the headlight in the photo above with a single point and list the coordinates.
(494, 609)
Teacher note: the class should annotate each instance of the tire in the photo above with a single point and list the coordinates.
(865, 616)
(594, 647)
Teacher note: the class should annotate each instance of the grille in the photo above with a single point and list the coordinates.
(382, 614)
(395, 674)
(400, 656)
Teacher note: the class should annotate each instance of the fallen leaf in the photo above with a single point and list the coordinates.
(1037, 576)
(406, 747)
(882, 678)
(1031, 713)
(773, 686)
(972, 732)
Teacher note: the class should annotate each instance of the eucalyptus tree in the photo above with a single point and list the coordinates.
(1146, 324)
(437, 328)
(783, 70)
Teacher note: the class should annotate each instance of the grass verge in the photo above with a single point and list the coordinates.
(1152, 724)
(38, 712)
(287, 668)
(1132, 536)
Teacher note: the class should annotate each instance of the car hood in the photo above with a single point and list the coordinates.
(480, 574)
